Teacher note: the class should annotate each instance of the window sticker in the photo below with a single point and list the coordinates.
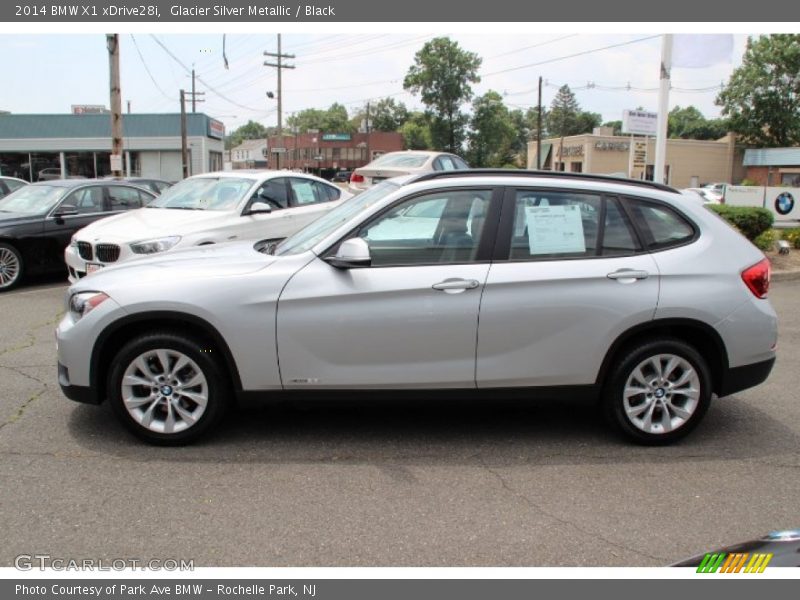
(554, 229)
(304, 193)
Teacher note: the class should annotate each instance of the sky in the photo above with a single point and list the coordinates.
(47, 73)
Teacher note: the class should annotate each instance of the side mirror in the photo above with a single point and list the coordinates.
(65, 210)
(352, 253)
(259, 208)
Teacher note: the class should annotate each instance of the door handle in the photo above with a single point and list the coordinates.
(455, 285)
(628, 274)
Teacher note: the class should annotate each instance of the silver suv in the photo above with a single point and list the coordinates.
(468, 282)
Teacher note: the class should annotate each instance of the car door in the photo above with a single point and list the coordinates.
(274, 225)
(88, 203)
(569, 276)
(308, 199)
(407, 321)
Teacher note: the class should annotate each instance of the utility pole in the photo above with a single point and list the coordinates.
(129, 107)
(193, 93)
(539, 128)
(184, 145)
(279, 56)
(112, 43)
(369, 129)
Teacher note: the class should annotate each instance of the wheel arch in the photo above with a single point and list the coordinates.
(704, 338)
(119, 332)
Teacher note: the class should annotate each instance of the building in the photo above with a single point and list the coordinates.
(35, 147)
(773, 166)
(250, 154)
(689, 163)
(325, 153)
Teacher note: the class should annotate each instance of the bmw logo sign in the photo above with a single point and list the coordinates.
(784, 203)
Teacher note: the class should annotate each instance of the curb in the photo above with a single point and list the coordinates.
(793, 275)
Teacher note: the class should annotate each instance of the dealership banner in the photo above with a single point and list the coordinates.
(728, 587)
(242, 11)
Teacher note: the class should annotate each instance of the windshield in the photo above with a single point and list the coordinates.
(204, 193)
(32, 199)
(310, 236)
(400, 160)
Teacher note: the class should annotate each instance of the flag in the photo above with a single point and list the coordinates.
(693, 51)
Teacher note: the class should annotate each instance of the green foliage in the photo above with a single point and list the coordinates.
(751, 221)
(749, 182)
(416, 132)
(762, 98)
(616, 125)
(766, 241)
(388, 114)
(493, 132)
(441, 74)
(249, 131)
(565, 116)
(334, 120)
(792, 236)
(690, 124)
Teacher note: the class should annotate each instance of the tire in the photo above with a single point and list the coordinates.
(658, 391)
(11, 267)
(164, 406)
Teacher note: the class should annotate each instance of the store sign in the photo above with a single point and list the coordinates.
(639, 122)
(216, 129)
(336, 137)
(639, 151)
(89, 109)
(615, 146)
(576, 150)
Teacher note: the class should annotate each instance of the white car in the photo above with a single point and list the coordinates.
(705, 195)
(406, 162)
(205, 209)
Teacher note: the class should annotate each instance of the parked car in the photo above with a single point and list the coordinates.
(154, 185)
(205, 209)
(10, 184)
(715, 191)
(341, 177)
(705, 195)
(469, 282)
(394, 164)
(38, 220)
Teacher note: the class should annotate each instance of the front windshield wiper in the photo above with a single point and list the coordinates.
(181, 208)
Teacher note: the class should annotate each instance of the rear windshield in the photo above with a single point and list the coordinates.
(401, 160)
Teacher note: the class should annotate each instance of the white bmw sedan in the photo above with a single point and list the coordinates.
(205, 209)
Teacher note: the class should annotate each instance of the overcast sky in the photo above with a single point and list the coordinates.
(47, 73)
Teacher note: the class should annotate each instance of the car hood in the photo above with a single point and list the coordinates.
(202, 264)
(149, 223)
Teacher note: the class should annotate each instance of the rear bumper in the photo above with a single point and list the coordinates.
(744, 377)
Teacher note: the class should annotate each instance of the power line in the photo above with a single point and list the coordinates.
(146, 68)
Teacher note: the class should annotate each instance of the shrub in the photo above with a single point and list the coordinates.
(766, 241)
(792, 236)
(750, 220)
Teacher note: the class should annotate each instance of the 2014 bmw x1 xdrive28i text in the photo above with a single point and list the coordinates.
(470, 281)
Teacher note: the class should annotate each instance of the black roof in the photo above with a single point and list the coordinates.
(543, 174)
(79, 181)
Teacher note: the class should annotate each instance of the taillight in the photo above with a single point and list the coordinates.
(356, 178)
(757, 278)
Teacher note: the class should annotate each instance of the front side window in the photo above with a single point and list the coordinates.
(440, 228)
(554, 225)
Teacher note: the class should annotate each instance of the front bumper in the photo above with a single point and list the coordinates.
(78, 393)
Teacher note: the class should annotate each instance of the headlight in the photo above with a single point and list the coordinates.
(154, 246)
(82, 303)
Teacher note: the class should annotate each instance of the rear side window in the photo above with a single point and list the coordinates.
(661, 226)
(619, 238)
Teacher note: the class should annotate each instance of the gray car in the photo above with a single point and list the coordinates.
(467, 283)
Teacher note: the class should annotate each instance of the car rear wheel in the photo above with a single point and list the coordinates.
(11, 267)
(658, 392)
(166, 388)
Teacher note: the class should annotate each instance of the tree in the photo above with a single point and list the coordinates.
(762, 98)
(416, 132)
(615, 125)
(249, 131)
(442, 73)
(493, 132)
(333, 119)
(386, 114)
(690, 124)
(565, 116)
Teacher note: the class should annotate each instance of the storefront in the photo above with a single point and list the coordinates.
(42, 147)
(689, 163)
(773, 166)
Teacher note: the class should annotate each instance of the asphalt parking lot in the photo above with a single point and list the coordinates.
(377, 484)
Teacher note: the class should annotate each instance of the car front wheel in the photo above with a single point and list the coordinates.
(11, 266)
(658, 392)
(166, 388)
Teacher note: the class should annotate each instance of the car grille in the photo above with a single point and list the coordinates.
(85, 250)
(107, 252)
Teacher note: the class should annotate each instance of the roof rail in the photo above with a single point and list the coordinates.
(544, 174)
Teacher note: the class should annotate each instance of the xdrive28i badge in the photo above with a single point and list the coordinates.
(784, 203)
